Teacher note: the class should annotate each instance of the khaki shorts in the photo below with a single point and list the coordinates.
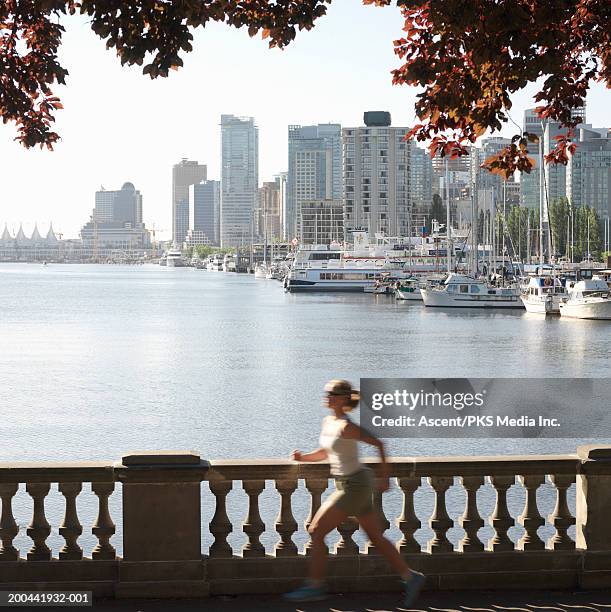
(354, 493)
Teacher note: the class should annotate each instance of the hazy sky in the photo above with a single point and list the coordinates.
(119, 126)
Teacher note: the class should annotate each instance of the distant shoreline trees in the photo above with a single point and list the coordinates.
(572, 228)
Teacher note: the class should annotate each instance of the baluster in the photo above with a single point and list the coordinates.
(286, 525)
(530, 518)
(408, 522)
(39, 529)
(104, 528)
(253, 526)
(471, 521)
(440, 521)
(8, 527)
(346, 544)
(561, 517)
(220, 525)
(383, 521)
(316, 488)
(71, 528)
(501, 520)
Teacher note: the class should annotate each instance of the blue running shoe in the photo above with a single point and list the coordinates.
(413, 587)
(307, 592)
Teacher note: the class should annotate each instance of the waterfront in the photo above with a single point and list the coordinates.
(100, 360)
(112, 358)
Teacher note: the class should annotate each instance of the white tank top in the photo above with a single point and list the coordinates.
(343, 453)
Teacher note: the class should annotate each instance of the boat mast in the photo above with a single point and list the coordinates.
(474, 229)
(503, 230)
(448, 250)
(541, 255)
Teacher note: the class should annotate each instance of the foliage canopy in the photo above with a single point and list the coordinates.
(468, 56)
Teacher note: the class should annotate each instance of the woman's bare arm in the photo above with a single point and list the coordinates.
(318, 455)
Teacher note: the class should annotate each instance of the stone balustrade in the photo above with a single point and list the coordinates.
(478, 540)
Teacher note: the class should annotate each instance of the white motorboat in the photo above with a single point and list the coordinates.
(460, 291)
(229, 263)
(543, 294)
(163, 260)
(174, 259)
(408, 289)
(260, 270)
(587, 299)
(215, 264)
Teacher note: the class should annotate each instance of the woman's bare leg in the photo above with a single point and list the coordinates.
(370, 522)
(326, 520)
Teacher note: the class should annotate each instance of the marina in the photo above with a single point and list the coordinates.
(150, 358)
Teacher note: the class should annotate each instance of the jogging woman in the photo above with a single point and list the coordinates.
(353, 496)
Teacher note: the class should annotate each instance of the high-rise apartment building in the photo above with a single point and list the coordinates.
(281, 185)
(184, 174)
(376, 176)
(204, 211)
(321, 221)
(268, 217)
(529, 182)
(421, 174)
(554, 175)
(315, 169)
(239, 179)
(588, 173)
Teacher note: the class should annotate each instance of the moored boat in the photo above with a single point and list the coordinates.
(174, 259)
(408, 289)
(460, 291)
(543, 294)
(587, 299)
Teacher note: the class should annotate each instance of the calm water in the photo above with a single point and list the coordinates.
(99, 360)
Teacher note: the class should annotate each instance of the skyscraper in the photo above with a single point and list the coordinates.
(529, 183)
(204, 211)
(239, 178)
(554, 175)
(421, 174)
(268, 221)
(377, 176)
(123, 206)
(116, 221)
(315, 169)
(281, 184)
(184, 174)
(588, 173)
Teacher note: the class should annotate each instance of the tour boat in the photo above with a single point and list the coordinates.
(460, 291)
(174, 259)
(543, 294)
(587, 299)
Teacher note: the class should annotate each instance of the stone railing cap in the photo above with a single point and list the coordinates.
(162, 457)
(594, 452)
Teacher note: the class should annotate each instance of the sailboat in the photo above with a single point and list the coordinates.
(545, 291)
(462, 291)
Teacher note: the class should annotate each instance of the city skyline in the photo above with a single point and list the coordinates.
(134, 129)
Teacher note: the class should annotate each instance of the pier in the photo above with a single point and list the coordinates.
(162, 534)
